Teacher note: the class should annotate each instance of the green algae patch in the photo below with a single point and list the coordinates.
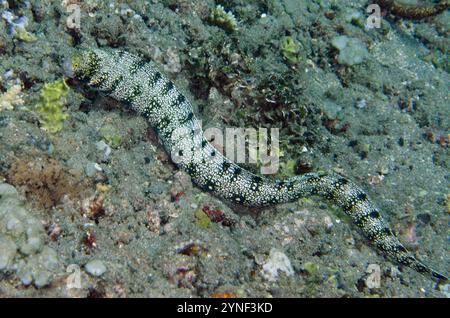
(290, 49)
(50, 105)
(203, 220)
(311, 268)
(23, 35)
(111, 135)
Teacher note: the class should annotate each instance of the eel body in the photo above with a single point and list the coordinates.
(132, 80)
(414, 11)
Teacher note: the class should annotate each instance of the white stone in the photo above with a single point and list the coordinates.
(95, 267)
(277, 262)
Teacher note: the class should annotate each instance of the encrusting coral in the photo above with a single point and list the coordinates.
(23, 251)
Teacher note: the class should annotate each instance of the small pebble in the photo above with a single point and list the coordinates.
(50, 149)
(95, 267)
(105, 148)
(7, 252)
(92, 168)
(42, 278)
(352, 51)
(32, 245)
(362, 103)
(277, 262)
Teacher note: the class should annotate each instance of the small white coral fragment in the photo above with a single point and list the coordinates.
(11, 98)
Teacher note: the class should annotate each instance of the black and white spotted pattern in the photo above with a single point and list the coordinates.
(131, 80)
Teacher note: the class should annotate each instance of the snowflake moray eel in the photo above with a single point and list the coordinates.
(137, 82)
